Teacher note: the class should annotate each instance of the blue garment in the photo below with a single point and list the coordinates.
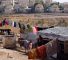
(14, 24)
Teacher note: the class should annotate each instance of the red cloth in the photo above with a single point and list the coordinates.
(35, 30)
(41, 51)
(6, 22)
(0, 24)
(32, 54)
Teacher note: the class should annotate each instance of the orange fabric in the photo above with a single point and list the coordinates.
(38, 53)
(32, 54)
(41, 51)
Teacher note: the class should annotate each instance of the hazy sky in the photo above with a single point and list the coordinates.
(61, 0)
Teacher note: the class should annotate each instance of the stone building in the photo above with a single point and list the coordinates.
(13, 2)
(54, 8)
(31, 2)
(47, 2)
(24, 2)
(65, 7)
(39, 8)
(6, 2)
(9, 4)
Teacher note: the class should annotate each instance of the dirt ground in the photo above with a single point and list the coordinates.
(6, 54)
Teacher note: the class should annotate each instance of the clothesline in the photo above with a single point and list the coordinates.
(8, 22)
(12, 23)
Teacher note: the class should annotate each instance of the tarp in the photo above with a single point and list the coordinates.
(63, 31)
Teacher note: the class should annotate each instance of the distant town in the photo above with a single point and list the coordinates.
(32, 6)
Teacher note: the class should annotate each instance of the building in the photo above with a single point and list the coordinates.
(24, 2)
(6, 2)
(13, 2)
(10, 4)
(54, 8)
(65, 7)
(39, 8)
(47, 2)
(31, 2)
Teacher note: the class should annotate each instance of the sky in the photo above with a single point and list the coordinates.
(61, 1)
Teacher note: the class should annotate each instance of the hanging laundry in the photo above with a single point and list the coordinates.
(14, 24)
(0, 23)
(10, 22)
(35, 30)
(23, 26)
(19, 25)
(41, 51)
(29, 28)
(38, 53)
(6, 22)
(26, 26)
(3, 22)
